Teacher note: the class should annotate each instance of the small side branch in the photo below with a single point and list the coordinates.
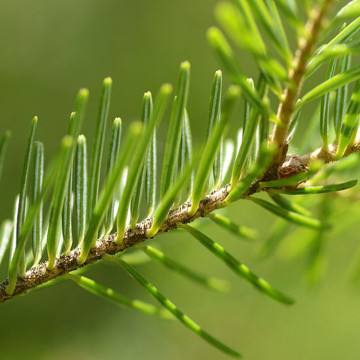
(296, 77)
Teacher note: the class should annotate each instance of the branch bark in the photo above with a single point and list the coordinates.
(39, 274)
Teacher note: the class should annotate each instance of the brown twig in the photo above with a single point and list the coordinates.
(39, 274)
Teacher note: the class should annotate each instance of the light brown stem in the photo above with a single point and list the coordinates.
(327, 156)
(296, 76)
(39, 274)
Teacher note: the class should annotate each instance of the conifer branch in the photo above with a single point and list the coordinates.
(106, 210)
(40, 274)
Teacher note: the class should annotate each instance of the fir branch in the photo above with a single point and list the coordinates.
(258, 163)
(40, 274)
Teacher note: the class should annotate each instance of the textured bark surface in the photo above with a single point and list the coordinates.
(39, 274)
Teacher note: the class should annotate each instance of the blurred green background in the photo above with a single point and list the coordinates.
(49, 50)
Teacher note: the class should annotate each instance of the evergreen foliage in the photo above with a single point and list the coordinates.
(95, 216)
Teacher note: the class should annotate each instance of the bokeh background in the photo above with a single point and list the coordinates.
(49, 49)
